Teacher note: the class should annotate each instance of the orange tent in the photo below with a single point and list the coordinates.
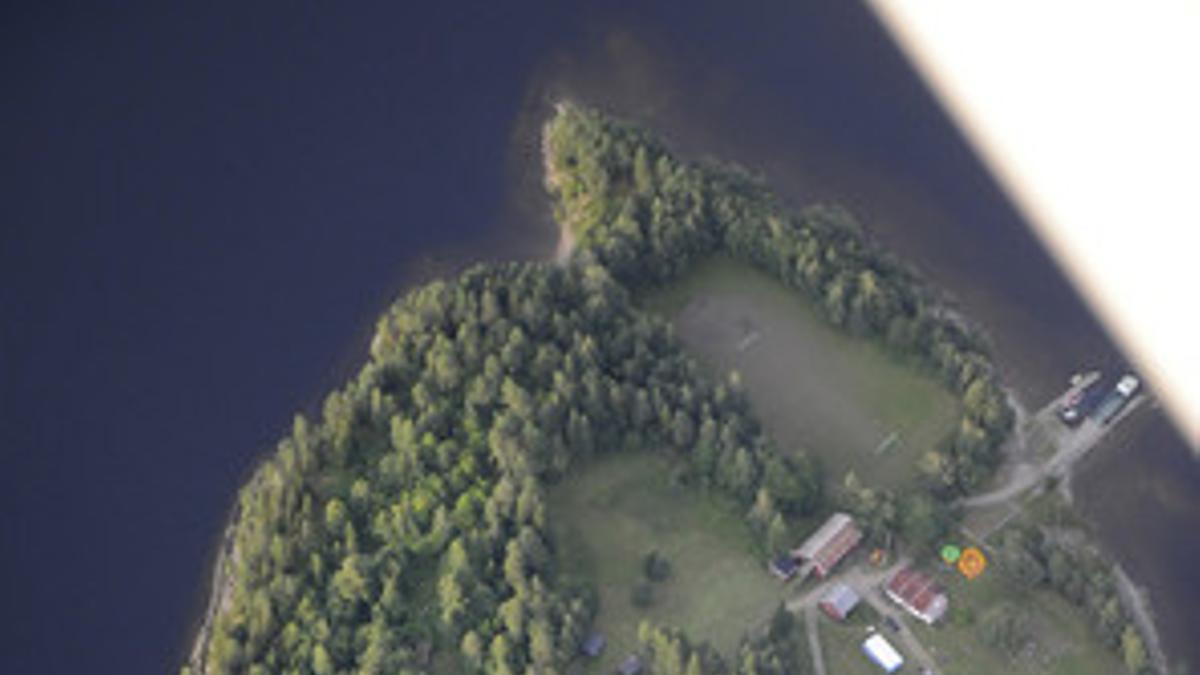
(972, 563)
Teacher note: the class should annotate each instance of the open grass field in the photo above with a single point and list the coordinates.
(1062, 643)
(609, 513)
(843, 398)
(842, 646)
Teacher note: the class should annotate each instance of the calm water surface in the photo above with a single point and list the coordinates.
(206, 208)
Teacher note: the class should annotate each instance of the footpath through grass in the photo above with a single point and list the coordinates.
(843, 398)
(609, 513)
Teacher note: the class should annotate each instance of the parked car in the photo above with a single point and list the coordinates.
(1081, 403)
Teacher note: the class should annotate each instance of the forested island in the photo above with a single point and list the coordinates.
(408, 529)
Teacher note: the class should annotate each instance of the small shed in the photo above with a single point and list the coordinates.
(593, 646)
(879, 650)
(632, 665)
(784, 566)
(839, 602)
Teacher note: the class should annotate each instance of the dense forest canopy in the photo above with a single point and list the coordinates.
(411, 519)
(405, 530)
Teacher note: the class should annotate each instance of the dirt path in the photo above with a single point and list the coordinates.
(1071, 444)
(814, 639)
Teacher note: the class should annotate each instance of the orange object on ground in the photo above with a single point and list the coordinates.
(972, 563)
(877, 557)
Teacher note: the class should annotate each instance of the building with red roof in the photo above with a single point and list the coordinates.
(839, 602)
(918, 594)
(829, 544)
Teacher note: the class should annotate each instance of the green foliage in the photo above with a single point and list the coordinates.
(411, 519)
(877, 509)
(924, 520)
(655, 566)
(1036, 557)
(646, 216)
(670, 653)
(407, 521)
(1008, 628)
(780, 651)
(1133, 651)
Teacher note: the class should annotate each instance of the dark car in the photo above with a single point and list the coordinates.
(1069, 412)
(892, 623)
(1081, 403)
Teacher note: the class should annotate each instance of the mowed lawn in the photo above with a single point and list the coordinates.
(608, 513)
(1063, 643)
(841, 645)
(843, 398)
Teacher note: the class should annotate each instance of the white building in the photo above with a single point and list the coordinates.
(879, 650)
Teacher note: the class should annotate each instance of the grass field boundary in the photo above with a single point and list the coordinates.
(813, 386)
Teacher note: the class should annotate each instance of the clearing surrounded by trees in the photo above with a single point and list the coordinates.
(525, 439)
(842, 398)
(615, 509)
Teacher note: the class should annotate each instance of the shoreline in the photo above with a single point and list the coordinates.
(220, 580)
(1137, 600)
(1134, 598)
(219, 595)
(552, 182)
(221, 584)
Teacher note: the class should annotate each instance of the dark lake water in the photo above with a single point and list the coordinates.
(205, 208)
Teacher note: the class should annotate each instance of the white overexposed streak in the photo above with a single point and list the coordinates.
(1088, 114)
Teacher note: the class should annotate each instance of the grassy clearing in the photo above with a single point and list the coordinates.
(843, 398)
(842, 646)
(1062, 643)
(609, 513)
(987, 522)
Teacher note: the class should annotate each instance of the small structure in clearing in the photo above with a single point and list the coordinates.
(829, 544)
(879, 650)
(784, 567)
(632, 665)
(839, 602)
(593, 646)
(918, 594)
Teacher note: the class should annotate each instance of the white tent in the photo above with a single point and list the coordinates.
(879, 650)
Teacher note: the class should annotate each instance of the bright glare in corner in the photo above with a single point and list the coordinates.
(1087, 113)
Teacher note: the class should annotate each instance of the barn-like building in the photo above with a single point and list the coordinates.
(918, 594)
(829, 544)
